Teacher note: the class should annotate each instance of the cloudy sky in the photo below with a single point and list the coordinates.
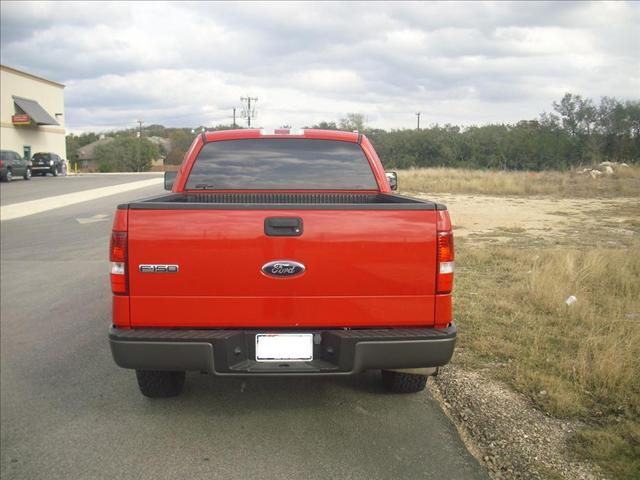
(182, 64)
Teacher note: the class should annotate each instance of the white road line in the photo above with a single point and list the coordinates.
(23, 209)
(100, 217)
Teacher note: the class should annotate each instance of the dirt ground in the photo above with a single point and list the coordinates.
(483, 214)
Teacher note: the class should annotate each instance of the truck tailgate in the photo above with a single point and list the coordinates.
(363, 268)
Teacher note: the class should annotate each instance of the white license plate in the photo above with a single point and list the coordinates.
(278, 347)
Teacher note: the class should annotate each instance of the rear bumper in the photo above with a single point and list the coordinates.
(232, 352)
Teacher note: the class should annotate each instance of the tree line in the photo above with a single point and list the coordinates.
(578, 131)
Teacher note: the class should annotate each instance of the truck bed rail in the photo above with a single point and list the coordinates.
(282, 200)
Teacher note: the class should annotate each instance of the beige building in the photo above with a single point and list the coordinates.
(31, 113)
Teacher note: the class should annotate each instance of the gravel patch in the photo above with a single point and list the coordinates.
(505, 432)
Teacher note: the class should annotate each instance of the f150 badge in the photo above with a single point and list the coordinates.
(158, 268)
(283, 268)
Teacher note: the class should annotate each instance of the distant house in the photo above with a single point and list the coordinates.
(164, 144)
(86, 153)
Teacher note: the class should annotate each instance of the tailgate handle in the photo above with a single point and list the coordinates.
(283, 226)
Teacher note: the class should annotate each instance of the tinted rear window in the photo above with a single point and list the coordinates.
(41, 156)
(282, 164)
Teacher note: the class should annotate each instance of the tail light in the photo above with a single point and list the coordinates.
(118, 258)
(445, 256)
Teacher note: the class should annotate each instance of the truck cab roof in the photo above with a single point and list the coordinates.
(252, 133)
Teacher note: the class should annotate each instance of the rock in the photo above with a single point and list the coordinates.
(608, 170)
(595, 173)
(517, 441)
(624, 165)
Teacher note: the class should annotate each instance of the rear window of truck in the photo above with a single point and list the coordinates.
(305, 164)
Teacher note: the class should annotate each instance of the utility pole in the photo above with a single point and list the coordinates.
(247, 110)
(418, 115)
(234, 117)
(139, 142)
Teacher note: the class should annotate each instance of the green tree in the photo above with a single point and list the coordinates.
(154, 131)
(126, 154)
(325, 126)
(353, 121)
(224, 126)
(568, 108)
(181, 140)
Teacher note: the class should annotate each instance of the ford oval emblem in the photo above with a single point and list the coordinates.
(283, 268)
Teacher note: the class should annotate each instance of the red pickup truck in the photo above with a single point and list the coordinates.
(281, 252)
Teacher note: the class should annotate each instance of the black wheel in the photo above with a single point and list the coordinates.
(8, 176)
(398, 382)
(157, 384)
(54, 171)
(27, 174)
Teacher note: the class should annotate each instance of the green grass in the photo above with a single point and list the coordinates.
(580, 361)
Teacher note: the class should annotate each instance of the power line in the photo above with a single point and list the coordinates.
(139, 140)
(249, 112)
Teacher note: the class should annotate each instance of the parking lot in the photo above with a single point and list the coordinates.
(69, 412)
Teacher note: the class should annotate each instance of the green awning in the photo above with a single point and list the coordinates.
(35, 111)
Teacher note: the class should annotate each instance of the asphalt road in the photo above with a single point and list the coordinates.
(68, 412)
(42, 187)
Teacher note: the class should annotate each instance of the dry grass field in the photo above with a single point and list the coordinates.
(524, 244)
(625, 181)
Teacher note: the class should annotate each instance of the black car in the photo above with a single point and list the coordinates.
(47, 162)
(12, 165)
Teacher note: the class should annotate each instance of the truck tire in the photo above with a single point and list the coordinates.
(158, 384)
(398, 382)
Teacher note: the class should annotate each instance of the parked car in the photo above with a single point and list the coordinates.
(281, 253)
(13, 165)
(46, 162)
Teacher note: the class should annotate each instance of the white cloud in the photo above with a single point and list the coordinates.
(185, 64)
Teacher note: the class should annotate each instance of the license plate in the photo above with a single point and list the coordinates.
(278, 347)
